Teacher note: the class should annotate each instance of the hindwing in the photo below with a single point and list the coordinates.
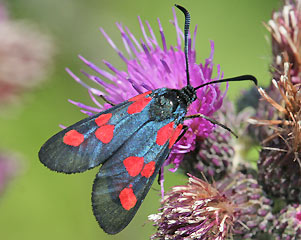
(125, 178)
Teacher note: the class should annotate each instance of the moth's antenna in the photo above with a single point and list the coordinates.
(186, 29)
(234, 79)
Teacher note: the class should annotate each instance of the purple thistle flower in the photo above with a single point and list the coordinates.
(150, 66)
(194, 211)
(8, 169)
(287, 224)
(233, 208)
(219, 154)
(284, 27)
(26, 55)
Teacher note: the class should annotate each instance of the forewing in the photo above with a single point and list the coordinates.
(124, 180)
(91, 141)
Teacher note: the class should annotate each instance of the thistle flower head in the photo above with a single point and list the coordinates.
(287, 224)
(151, 66)
(25, 55)
(285, 28)
(238, 122)
(220, 153)
(194, 211)
(279, 165)
(198, 210)
(3, 12)
(8, 169)
(288, 122)
(253, 213)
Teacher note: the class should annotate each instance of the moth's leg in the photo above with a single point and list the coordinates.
(212, 121)
(106, 100)
(185, 128)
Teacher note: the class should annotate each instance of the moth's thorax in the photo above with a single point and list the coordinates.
(171, 103)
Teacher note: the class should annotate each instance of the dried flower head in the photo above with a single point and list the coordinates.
(279, 165)
(285, 28)
(25, 56)
(288, 122)
(150, 66)
(235, 206)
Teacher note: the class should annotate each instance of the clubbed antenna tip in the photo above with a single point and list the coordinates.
(234, 79)
(186, 29)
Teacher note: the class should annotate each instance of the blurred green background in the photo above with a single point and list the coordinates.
(40, 204)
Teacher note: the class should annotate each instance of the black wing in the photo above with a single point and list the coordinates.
(124, 180)
(87, 143)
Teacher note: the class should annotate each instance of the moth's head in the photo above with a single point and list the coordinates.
(189, 93)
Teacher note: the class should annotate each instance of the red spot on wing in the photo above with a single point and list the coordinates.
(127, 198)
(103, 119)
(105, 133)
(164, 133)
(133, 165)
(139, 97)
(148, 169)
(73, 138)
(175, 135)
(138, 106)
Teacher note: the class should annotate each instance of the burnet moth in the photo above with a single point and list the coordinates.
(131, 140)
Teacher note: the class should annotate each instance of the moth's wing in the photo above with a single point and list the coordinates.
(125, 178)
(89, 142)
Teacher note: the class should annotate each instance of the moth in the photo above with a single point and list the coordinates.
(131, 140)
